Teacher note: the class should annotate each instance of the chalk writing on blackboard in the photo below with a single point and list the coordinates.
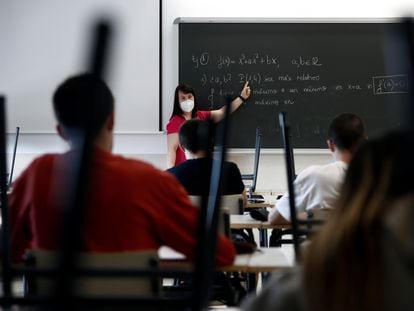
(281, 81)
(313, 71)
(390, 84)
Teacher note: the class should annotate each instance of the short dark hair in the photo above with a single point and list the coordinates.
(79, 94)
(195, 135)
(347, 131)
(185, 88)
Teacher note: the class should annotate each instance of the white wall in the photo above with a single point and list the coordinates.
(45, 41)
(30, 66)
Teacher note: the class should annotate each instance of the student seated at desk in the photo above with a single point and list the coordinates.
(194, 173)
(362, 259)
(318, 186)
(130, 206)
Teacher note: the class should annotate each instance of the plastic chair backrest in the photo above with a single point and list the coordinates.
(229, 205)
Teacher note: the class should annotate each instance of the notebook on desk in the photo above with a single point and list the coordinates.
(255, 197)
(252, 201)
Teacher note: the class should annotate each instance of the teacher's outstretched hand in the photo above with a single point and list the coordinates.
(245, 93)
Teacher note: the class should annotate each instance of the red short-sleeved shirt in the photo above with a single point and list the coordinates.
(173, 126)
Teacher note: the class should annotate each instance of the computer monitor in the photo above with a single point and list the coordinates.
(253, 177)
(256, 158)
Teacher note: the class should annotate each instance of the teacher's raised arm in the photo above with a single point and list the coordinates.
(185, 108)
(218, 115)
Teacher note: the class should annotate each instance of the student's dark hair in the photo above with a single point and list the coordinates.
(195, 135)
(76, 96)
(186, 89)
(347, 131)
(347, 253)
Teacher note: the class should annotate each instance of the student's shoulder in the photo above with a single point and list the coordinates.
(188, 170)
(40, 166)
(310, 174)
(44, 160)
(322, 173)
(231, 165)
(315, 169)
(133, 165)
(137, 168)
(327, 169)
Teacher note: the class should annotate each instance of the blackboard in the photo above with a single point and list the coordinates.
(311, 70)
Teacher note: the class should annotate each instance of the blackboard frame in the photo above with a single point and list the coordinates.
(271, 137)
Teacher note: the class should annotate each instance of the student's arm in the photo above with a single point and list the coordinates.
(244, 195)
(218, 115)
(280, 214)
(275, 218)
(172, 145)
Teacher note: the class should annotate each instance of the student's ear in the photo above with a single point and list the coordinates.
(331, 145)
(61, 132)
(111, 122)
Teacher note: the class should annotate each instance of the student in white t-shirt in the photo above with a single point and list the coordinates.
(318, 186)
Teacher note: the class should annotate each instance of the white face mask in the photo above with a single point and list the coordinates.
(187, 105)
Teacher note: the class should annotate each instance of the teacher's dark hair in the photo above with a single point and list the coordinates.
(75, 96)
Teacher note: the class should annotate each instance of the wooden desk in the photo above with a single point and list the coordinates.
(267, 259)
(259, 205)
(263, 260)
(247, 222)
(269, 201)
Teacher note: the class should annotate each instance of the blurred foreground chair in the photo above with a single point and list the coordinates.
(90, 285)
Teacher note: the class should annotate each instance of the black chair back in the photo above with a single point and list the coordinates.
(16, 140)
(284, 127)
